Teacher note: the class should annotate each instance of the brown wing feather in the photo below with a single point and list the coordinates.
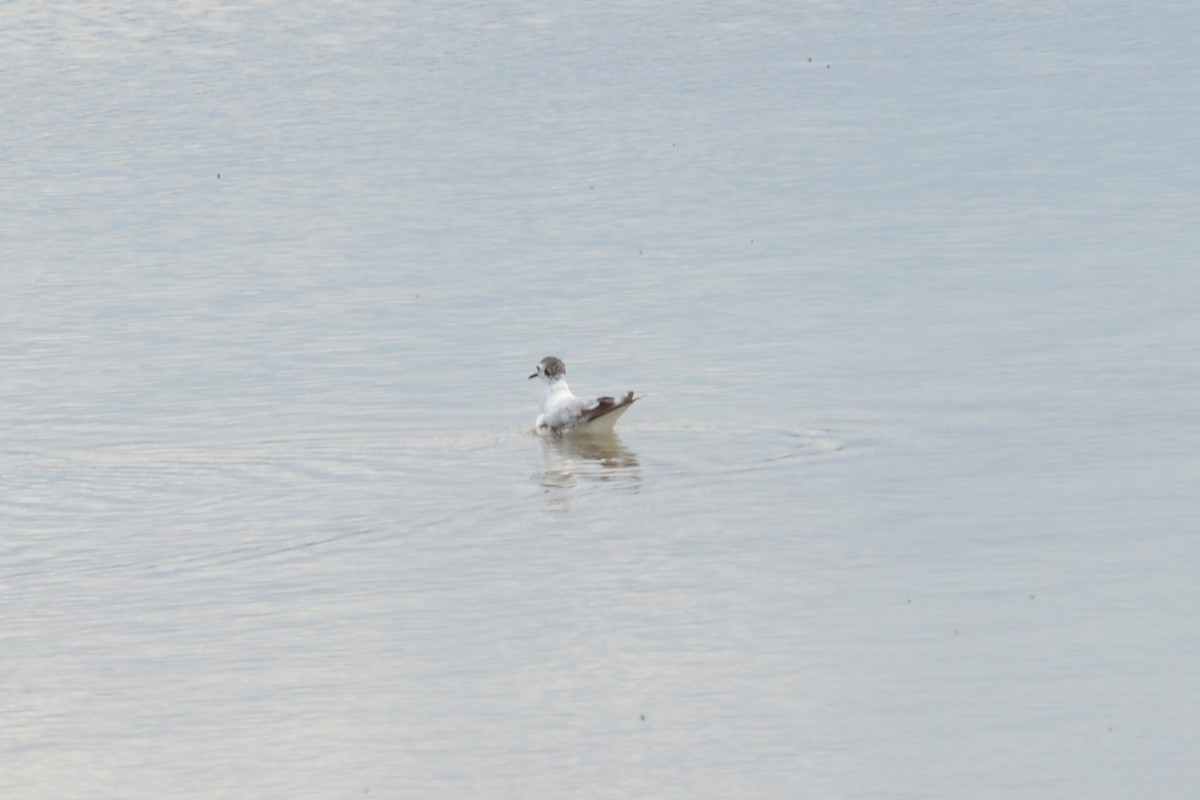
(606, 405)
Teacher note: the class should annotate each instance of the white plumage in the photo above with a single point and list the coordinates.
(561, 411)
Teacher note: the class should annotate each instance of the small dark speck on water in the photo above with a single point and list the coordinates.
(218, 176)
(644, 719)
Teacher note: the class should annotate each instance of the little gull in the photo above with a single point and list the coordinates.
(562, 411)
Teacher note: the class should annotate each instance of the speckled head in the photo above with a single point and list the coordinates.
(550, 368)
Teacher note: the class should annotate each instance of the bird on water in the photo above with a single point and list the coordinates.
(561, 411)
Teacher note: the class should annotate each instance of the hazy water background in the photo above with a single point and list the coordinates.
(909, 509)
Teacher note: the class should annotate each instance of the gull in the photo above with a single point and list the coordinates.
(562, 411)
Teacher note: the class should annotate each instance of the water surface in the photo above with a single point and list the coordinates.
(908, 509)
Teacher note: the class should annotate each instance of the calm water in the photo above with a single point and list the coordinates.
(909, 508)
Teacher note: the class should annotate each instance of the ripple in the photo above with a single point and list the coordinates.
(689, 449)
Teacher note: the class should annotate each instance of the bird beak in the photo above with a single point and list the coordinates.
(534, 375)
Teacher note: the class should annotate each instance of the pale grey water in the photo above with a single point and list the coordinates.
(909, 509)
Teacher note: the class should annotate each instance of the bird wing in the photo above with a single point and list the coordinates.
(604, 413)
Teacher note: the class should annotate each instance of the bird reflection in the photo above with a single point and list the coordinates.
(569, 461)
